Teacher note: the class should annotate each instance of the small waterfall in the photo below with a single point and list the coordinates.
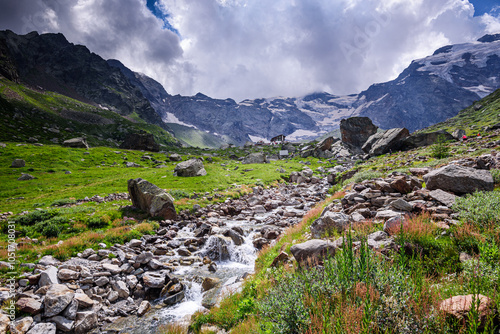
(190, 304)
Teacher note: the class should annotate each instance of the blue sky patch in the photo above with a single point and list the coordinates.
(153, 6)
(484, 6)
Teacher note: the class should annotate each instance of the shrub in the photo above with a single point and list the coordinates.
(440, 150)
(35, 217)
(495, 173)
(63, 201)
(481, 209)
(179, 194)
(97, 222)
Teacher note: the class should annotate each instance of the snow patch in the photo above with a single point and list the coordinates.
(171, 118)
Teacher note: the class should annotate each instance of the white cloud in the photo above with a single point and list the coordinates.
(258, 48)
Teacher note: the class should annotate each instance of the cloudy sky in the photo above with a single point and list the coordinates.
(259, 48)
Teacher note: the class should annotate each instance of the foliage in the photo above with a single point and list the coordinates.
(179, 194)
(481, 209)
(440, 150)
(97, 222)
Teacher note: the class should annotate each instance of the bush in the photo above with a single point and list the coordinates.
(481, 209)
(63, 201)
(440, 150)
(51, 228)
(495, 173)
(97, 222)
(179, 194)
(35, 217)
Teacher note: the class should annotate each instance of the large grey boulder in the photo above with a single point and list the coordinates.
(255, 158)
(329, 222)
(459, 179)
(56, 299)
(148, 197)
(85, 322)
(326, 144)
(458, 134)
(76, 142)
(18, 163)
(387, 141)
(140, 141)
(355, 131)
(43, 328)
(189, 168)
(312, 250)
(425, 139)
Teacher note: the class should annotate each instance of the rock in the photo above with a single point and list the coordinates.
(356, 130)
(112, 268)
(236, 237)
(140, 141)
(217, 248)
(83, 300)
(328, 222)
(458, 134)
(402, 205)
(26, 177)
(255, 158)
(190, 168)
(20, 326)
(18, 163)
(56, 299)
(143, 308)
(175, 157)
(134, 243)
(281, 258)
(78, 142)
(155, 280)
(209, 283)
(67, 275)
(131, 164)
(401, 186)
(393, 225)
(48, 260)
(48, 277)
(148, 197)
(113, 296)
(5, 322)
(459, 180)
(101, 281)
(326, 144)
(62, 323)
(387, 214)
(425, 139)
(419, 171)
(174, 299)
(312, 250)
(443, 197)
(384, 142)
(460, 306)
(85, 322)
(29, 305)
(43, 328)
(121, 288)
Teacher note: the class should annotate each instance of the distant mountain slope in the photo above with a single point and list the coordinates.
(430, 90)
(50, 62)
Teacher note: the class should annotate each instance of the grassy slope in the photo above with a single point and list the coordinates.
(27, 113)
(194, 137)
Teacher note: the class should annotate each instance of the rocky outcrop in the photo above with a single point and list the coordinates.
(18, 163)
(355, 131)
(189, 168)
(459, 179)
(140, 141)
(425, 139)
(76, 142)
(385, 142)
(148, 197)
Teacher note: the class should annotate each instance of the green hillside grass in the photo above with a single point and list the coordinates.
(194, 137)
(46, 117)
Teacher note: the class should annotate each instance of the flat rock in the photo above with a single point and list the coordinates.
(443, 197)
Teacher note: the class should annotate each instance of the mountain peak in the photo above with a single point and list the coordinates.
(489, 38)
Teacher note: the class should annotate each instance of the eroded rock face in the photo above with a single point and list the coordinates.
(356, 130)
(459, 179)
(140, 141)
(148, 197)
(189, 168)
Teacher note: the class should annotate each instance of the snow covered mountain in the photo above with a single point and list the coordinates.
(430, 90)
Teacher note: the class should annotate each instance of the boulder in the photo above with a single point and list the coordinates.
(155, 280)
(20, 326)
(175, 157)
(18, 163)
(140, 141)
(76, 142)
(48, 277)
(355, 131)
(312, 250)
(460, 306)
(255, 158)
(217, 248)
(329, 222)
(85, 322)
(326, 144)
(387, 141)
(425, 139)
(43, 328)
(29, 305)
(189, 168)
(143, 308)
(25, 177)
(148, 197)
(62, 323)
(5, 322)
(56, 299)
(443, 197)
(458, 134)
(459, 179)
(68, 275)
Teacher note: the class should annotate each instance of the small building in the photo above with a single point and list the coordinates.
(278, 139)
